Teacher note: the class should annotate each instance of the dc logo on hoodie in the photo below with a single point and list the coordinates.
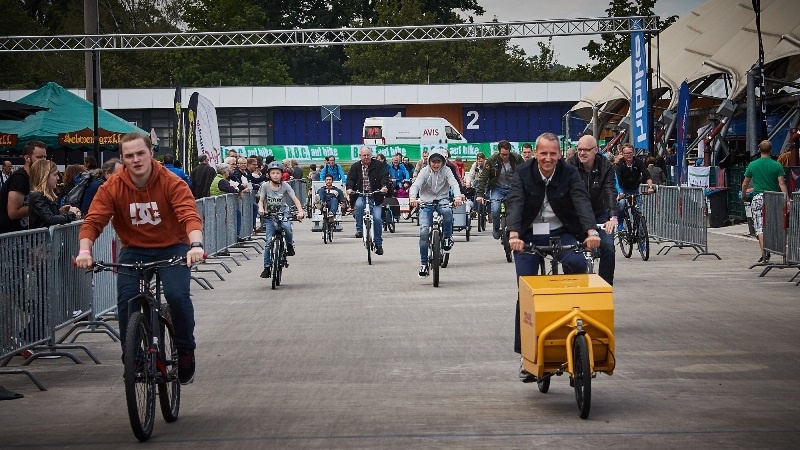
(145, 213)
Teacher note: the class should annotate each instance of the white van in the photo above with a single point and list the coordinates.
(410, 130)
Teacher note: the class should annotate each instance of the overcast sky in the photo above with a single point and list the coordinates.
(568, 49)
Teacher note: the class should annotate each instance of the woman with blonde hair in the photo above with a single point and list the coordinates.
(42, 201)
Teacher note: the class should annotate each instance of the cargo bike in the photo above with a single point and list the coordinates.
(566, 326)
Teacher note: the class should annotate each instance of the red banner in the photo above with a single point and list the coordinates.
(8, 140)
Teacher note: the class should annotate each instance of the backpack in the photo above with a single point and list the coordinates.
(75, 195)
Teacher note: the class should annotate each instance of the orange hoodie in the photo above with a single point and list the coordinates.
(159, 215)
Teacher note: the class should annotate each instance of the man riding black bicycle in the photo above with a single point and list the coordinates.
(496, 178)
(631, 172)
(434, 185)
(599, 178)
(547, 199)
(155, 218)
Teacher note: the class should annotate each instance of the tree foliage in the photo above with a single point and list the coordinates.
(613, 49)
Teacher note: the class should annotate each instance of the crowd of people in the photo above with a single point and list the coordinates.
(576, 196)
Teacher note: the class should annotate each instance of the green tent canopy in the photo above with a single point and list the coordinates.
(68, 123)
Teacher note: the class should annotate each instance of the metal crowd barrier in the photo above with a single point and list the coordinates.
(775, 233)
(793, 241)
(23, 298)
(103, 292)
(680, 218)
(300, 188)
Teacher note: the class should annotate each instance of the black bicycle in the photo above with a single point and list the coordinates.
(503, 227)
(277, 247)
(150, 356)
(328, 223)
(635, 229)
(437, 257)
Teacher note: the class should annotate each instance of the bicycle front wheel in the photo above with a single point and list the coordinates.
(325, 228)
(368, 239)
(140, 387)
(436, 260)
(644, 239)
(504, 238)
(582, 375)
(277, 257)
(625, 237)
(169, 390)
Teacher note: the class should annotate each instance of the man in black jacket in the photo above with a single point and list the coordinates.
(631, 172)
(368, 175)
(201, 178)
(547, 199)
(599, 178)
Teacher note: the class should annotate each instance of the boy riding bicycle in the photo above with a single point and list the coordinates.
(434, 184)
(274, 196)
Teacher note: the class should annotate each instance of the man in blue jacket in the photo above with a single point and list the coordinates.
(169, 163)
(398, 172)
(332, 168)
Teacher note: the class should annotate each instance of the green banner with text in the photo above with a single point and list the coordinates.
(350, 152)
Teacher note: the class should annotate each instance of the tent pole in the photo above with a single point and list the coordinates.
(95, 108)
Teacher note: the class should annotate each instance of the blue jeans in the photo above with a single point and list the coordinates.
(623, 202)
(377, 219)
(333, 205)
(528, 264)
(425, 218)
(498, 193)
(175, 281)
(270, 231)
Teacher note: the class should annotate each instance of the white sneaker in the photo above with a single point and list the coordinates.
(423, 271)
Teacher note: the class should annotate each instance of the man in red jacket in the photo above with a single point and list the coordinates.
(155, 217)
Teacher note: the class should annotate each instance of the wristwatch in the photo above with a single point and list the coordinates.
(593, 233)
(196, 245)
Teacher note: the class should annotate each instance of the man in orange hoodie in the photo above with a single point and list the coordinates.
(155, 216)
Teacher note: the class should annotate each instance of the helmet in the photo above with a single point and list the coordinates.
(275, 165)
(438, 153)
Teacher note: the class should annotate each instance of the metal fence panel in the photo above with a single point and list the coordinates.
(104, 291)
(70, 288)
(775, 223)
(248, 215)
(793, 241)
(231, 212)
(24, 277)
(210, 225)
(300, 188)
(220, 228)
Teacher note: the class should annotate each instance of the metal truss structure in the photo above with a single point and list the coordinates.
(331, 36)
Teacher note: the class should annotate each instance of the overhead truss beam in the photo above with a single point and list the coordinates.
(330, 36)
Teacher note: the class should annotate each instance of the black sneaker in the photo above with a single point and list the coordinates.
(524, 375)
(423, 271)
(496, 234)
(447, 244)
(266, 273)
(764, 257)
(289, 250)
(359, 234)
(379, 250)
(186, 366)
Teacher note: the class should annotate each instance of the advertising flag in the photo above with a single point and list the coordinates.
(683, 123)
(207, 131)
(639, 90)
(179, 137)
(189, 131)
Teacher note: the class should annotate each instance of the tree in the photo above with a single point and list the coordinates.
(615, 48)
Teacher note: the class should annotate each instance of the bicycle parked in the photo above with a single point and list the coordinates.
(369, 232)
(150, 356)
(635, 229)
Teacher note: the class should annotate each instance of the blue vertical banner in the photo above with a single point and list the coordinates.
(639, 89)
(683, 123)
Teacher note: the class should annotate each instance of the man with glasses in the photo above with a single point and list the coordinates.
(368, 175)
(496, 179)
(631, 172)
(331, 168)
(599, 178)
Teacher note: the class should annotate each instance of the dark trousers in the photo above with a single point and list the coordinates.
(175, 281)
(528, 264)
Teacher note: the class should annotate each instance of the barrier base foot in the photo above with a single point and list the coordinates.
(91, 326)
(202, 282)
(25, 372)
(706, 254)
(53, 350)
(211, 271)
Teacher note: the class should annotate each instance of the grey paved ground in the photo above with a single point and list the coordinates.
(346, 355)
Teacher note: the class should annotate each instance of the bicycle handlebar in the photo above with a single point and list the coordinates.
(551, 249)
(99, 266)
(367, 194)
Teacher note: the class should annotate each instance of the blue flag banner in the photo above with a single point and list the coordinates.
(683, 123)
(639, 89)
